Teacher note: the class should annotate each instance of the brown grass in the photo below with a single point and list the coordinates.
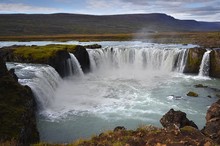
(206, 39)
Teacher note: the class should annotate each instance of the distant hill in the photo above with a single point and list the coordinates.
(52, 24)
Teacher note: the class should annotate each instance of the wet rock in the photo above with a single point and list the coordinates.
(173, 119)
(200, 86)
(93, 46)
(209, 96)
(212, 128)
(215, 63)
(192, 94)
(218, 95)
(194, 59)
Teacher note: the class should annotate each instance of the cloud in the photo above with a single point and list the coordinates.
(23, 8)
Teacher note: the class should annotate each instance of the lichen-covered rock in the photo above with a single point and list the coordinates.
(192, 94)
(194, 59)
(212, 128)
(17, 110)
(215, 63)
(174, 119)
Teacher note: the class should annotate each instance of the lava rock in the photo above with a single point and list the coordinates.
(192, 94)
(212, 128)
(176, 118)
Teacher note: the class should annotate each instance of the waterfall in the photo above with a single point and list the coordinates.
(181, 62)
(156, 59)
(74, 66)
(204, 67)
(42, 79)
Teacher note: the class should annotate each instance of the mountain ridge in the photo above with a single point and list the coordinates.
(66, 23)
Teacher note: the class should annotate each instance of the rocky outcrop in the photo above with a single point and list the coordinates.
(185, 135)
(93, 46)
(212, 128)
(173, 119)
(215, 63)
(17, 110)
(83, 57)
(194, 59)
(53, 55)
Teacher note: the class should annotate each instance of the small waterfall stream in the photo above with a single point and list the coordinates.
(204, 67)
(74, 67)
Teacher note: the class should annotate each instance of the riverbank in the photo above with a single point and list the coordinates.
(204, 39)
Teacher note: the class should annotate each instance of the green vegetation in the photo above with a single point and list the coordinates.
(40, 53)
(144, 135)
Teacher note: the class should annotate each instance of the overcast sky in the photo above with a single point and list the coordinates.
(202, 10)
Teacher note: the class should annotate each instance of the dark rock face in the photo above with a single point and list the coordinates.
(59, 62)
(3, 69)
(215, 63)
(17, 110)
(212, 128)
(176, 118)
(83, 57)
(194, 60)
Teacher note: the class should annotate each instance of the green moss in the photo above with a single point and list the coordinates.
(40, 53)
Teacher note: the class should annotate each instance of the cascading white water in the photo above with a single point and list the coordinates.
(142, 59)
(181, 62)
(204, 67)
(42, 79)
(74, 67)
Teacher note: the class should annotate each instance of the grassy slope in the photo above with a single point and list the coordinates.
(206, 39)
(145, 135)
(40, 53)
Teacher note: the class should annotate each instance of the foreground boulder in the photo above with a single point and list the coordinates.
(53, 55)
(194, 59)
(212, 128)
(176, 119)
(215, 63)
(17, 111)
